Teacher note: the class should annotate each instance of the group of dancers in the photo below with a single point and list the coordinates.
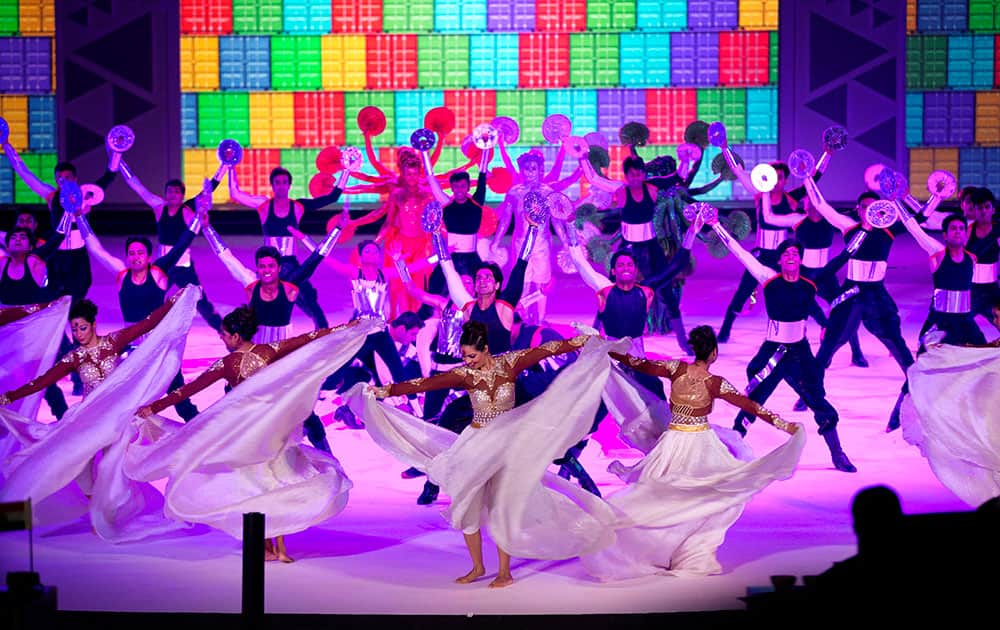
(494, 374)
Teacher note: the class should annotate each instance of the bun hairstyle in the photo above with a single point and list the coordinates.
(475, 334)
(83, 309)
(703, 342)
(241, 321)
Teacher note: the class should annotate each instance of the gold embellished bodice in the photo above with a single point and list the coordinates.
(96, 363)
(492, 390)
(690, 400)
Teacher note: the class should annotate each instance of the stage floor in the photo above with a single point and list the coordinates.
(386, 555)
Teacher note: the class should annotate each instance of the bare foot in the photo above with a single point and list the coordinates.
(501, 581)
(471, 576)
(284, 557)
(269, 554)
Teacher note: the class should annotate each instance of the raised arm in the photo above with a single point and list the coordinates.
(480, 195)
(206, 378)
(322, 201)
(51, 245)
(758, 270)
(432, 181)
(67, 364)
(240, 197)
(514, 288)
(837, 220)
(728, 393)
(236, 269)
(110, 262)
(593, 278)
(453, 379)
(781, 220)
(456, 290)
(304, 271)
(36, 185)
(662, 369)
(928, 243)
(125, 336)
(681, 259)
(152, 200)
(171, 258)
(526, 358)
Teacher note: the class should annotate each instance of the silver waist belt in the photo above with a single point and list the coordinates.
(984, 273)
(638, 232)
(770, 239)
(866, 270)
(786, 332)
(185, 259)
(270, 334)
(945, 301)
(815, 258)
(462, 243)
(284, 244)
(72, 240)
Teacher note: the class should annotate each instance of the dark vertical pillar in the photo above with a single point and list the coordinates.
(117, 63)
(253, 569)
(844, 63)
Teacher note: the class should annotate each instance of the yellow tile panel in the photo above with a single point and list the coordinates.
(37, 17)
(272, 120)
(15, 110)
(199, 164)
(344, 63)
(988, 118)
(759, 15)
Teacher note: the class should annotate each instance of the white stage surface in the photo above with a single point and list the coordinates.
(386, 555)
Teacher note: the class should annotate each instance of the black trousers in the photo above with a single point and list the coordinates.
(959, 328)
(801, 371)
(828, 288)
(184, 276)
(185, 408)
(308, 299)
(984, 296)
(873, 307)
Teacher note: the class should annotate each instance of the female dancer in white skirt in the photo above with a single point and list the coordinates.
(951, 415)
(245, 452)
(689, 489)
(495, 471)
(89, 443)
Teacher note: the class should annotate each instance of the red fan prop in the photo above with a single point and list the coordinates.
(371, 120)
(440, 120)
(488, 226)
(499, 180)
(328, 160)
(321, 184)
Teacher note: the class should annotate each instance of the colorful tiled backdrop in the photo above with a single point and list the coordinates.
(287, 77)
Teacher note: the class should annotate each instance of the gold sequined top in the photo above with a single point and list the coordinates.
(96, 362)
(238, 366)
(491, 389)
(693, 393)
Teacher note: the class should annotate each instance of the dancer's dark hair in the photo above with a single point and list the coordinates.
(175, 183)
(475, 334)
(241, 321)
(365, 243)
(781, 166)
(787, 243)
(267, 251)
(625, 251)
(83, 309)
(277, 172)
(951, 218)
(142, 240)
(459, 176)
(32, 239)
(703, 342)
(494, 269)
(633, 162)
(64, 166)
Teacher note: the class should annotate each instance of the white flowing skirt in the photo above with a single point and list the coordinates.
(245, 452)
(682, 498)
(497, 474)
(953, 416)
(89, 443)
(28, 348)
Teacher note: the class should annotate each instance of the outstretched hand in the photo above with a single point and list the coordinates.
(144, 411)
